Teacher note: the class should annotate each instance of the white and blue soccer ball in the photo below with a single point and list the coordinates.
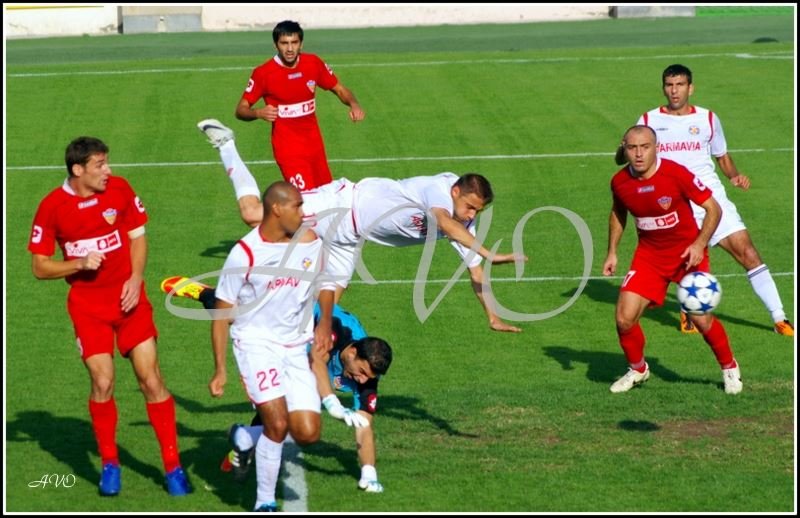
(699, 293)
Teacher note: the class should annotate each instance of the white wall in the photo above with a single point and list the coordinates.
(32, 20)
(20, 20)
(265, 16)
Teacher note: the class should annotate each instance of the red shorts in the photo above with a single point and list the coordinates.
(650, 278)
(305, 170)
(98, 319)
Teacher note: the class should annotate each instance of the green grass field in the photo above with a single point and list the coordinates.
(470, 420)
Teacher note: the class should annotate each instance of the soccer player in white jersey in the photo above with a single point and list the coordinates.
(691, 135)
(388, 212)
(266, 296)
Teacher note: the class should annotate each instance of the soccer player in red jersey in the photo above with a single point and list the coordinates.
(692, 135)
(98, 222)
(287, 83)
(657, 192)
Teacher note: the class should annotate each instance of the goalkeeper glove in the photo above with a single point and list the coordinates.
(337, 410)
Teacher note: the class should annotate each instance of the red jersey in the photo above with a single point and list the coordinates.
(100, 222)
(660, 206)
(295, 131)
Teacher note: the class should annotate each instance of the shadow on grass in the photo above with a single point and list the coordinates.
(606, 367)
(404, 408)
(607, 291)
(71, 442)
(220, 251)
(210, 448)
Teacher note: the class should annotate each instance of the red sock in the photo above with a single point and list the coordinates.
(104, 422)
(717, 338)
(162, 417)
(632, 342)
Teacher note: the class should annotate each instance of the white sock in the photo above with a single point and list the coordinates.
(268, 466)
(368, 472)
(765, 288)
(243, 181)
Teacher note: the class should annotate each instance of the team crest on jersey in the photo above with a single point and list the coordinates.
(307, 263)
(664, 202)
(312, 85)
(337, 382)
(110, 215)
(694, 130)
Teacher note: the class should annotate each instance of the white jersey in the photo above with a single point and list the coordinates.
(272, 291)
(691, 140)
(395, 212)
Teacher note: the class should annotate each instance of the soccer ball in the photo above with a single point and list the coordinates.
(699, 293)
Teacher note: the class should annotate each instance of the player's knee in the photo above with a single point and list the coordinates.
(276, 429)
(251, 213)
(749, 258)
(306, 428)
(702, 322)
(152, 386)
(625, 323)
(306, 435)
(102, 387)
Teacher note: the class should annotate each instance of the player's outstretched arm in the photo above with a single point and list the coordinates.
(476, 276)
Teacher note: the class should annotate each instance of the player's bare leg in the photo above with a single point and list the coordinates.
(741, 248)
(251, 210)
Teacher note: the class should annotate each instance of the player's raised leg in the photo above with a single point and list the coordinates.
(244, 184)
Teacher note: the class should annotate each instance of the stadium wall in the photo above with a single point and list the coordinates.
(30, 20)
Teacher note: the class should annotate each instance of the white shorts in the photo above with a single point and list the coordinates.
(330, 208)
(272, 372)
(729, 223)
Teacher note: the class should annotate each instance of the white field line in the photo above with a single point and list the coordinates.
(524, 61)
(293, 478)
(541, 279)
(525, 156)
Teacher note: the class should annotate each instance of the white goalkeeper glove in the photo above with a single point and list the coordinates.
(337, 410)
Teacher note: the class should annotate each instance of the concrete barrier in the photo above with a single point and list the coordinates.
(53, 20)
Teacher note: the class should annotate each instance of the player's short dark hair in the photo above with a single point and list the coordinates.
(80, 150)
(376, 351)
(286, 28)
(619, 156)
(475, 183)
(676, 70)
